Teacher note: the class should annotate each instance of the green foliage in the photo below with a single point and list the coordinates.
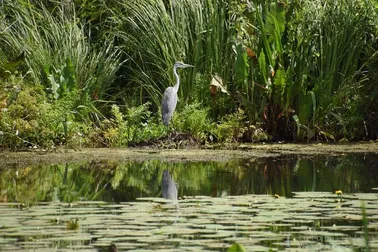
(27, 118)
(311, 57)
(134, 127)
(236, 247)
(20, 120)
(155, 34)
(241, 65)
(9, 67)
(63, 81)
(59, 54)
(304, 70)
(231, 127)
(193, 120)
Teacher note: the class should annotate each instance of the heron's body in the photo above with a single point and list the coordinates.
(169, 101)
(169, 104)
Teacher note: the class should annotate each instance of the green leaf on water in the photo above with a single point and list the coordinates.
(236, 247)
(73, 224)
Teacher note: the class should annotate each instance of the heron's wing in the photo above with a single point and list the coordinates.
(168, 103)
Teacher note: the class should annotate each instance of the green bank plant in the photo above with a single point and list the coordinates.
(197, 122)
(76, 75)
(28, 119)
(19, 114)
(231, 127)
(135, 126)
(304, 70)
(194, 120)
(338, 50)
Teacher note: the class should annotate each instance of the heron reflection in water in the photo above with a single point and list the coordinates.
(169, 188)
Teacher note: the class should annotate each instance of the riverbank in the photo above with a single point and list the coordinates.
(15, 159)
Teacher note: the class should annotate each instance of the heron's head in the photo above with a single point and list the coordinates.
(179, 64)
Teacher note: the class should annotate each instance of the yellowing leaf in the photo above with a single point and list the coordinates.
(217, 83)
(250, 53)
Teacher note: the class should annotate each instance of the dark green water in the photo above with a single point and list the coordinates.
(221, 203)
(120, 182)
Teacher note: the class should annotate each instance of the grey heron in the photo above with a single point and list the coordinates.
(169, 101)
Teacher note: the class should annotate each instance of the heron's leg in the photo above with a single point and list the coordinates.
(173, 125)
(167, 130)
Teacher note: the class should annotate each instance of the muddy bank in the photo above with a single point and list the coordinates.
(16, 159)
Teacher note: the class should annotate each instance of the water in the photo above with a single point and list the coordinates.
(88, 206)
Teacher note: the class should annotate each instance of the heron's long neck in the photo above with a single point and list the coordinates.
(176, 87)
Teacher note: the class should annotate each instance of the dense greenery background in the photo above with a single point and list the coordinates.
(92, 73)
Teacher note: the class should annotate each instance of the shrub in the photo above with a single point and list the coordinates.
(193, 120)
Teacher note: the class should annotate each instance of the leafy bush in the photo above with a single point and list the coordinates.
(134, 127)
(28, 119)
(231, 127)
(193, 120)
(20, 115)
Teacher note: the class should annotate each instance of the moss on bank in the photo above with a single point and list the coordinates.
(14, 159)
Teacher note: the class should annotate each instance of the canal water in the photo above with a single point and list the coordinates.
(313, 203)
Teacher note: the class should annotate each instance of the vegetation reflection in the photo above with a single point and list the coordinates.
(119, 182)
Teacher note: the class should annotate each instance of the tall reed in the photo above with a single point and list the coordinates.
(155, 34)
(49, 39)
(310, 57)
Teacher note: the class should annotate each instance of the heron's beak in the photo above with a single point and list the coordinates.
(187, 65)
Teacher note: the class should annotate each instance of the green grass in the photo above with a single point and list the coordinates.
(154, 35)
(51, 39)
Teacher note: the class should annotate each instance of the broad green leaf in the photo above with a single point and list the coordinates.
(275, 19)
(242, 65)
(54, 86)
(262, 65)
(305, 107)
(264, 37)
(298, 124)
(69, 75)
(280, 77)
(313, 97)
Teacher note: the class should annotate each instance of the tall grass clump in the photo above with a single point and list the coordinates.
(304, 65)
(155, 34)
(340, 47)
(58, 52)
